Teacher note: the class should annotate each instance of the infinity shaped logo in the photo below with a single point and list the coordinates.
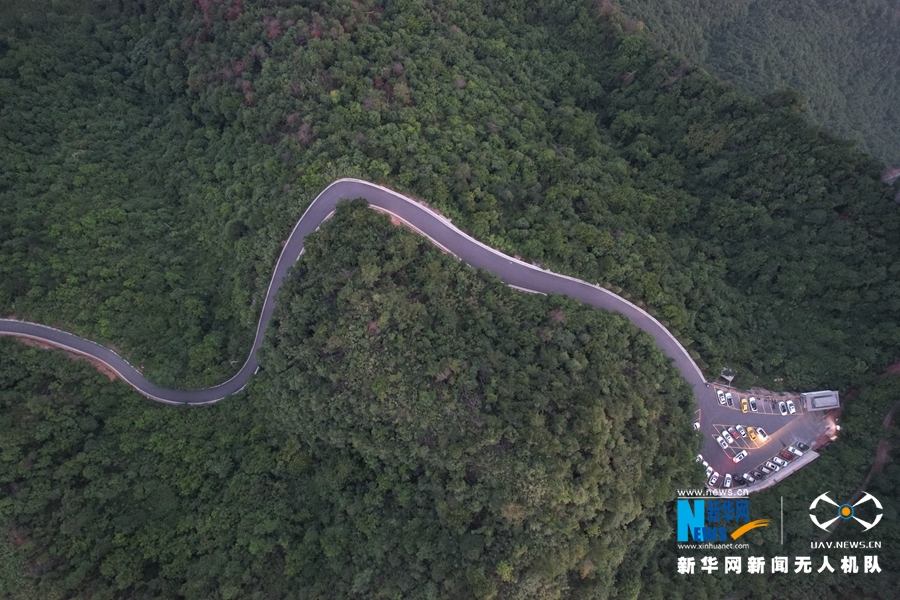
(845, 511)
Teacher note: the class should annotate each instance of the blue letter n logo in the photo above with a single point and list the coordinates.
(690, 520)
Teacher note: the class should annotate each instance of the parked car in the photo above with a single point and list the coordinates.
(762, 434)
(772, 466)
(697, 425)
(753, 404)
(709, 471)
(802, 446)
(791, 408)
(733, 433)
(739, 456)
(749, 478)
(786, 455)
(727, 482)
(741, 431)
(739, 480)
(752, 433)
(727, 436)
(794, 451)
(779, 461)
(782, 408)
(721, 396)
(744, 405)
(766, 470)
(714, 478)
(699, 458)
(757, 474)
(729, 399)
(721, 442)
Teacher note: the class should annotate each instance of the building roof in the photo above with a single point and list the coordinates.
(824, 400)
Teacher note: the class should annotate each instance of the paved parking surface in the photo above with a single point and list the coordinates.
(782, 431)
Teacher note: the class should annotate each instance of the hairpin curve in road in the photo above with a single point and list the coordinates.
(438, 229)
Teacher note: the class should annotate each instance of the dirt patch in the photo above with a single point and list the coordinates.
(889, 418)
(103, 368)
(894, 369)
(17, 537)
(418, 200)
(397, 221)
(882, 455)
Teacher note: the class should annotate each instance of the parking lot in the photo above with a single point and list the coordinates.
(730, 429)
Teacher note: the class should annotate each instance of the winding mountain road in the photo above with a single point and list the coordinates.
(439, 231)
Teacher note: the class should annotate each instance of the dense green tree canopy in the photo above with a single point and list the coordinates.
(416, 429)
(840, 55)
(762, 242)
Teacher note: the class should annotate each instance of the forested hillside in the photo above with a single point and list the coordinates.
(420, 430)
(153, 157)
(841, 55)
(154, 161)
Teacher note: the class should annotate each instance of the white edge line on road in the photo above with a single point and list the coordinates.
(268, 298)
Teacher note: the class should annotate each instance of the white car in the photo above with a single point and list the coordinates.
(791, 408)
(697, 425)
(780, 461)
(714, 478)
(721, 396)
(709, 471)
(762, 434)
(729, 398)
(793, 450)
(749, 478)
(741, 431)
(727, 482)
(753, 404)
(721, 442)
(699, 458)
(727, 436)
(739, 456)
(772, 466)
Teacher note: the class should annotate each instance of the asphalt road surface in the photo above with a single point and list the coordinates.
(436, 228)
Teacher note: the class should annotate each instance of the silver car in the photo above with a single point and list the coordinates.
(780, 461)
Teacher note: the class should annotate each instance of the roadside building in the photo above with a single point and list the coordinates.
(825, 400)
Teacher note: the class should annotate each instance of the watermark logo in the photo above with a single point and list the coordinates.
(845, 511)
(709, 520)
